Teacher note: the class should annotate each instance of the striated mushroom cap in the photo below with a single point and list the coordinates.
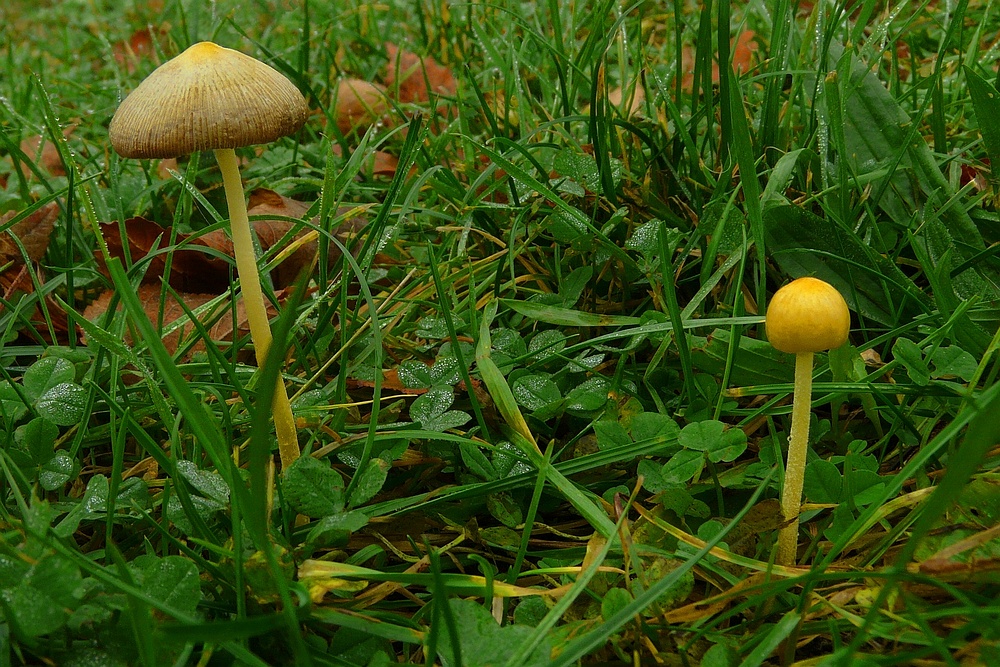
(807, 315)
(207, 97)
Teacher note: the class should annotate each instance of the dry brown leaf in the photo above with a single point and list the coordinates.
(34, 233)
(416, 79)
(742, 52)
(192, 270)
(358, 104)
(130, 53)
(220, 329)
(45, 153)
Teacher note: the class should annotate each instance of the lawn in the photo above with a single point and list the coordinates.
(516, 259)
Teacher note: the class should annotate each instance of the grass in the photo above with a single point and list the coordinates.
(539, 419)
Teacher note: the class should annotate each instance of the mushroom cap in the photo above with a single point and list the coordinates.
(807, 315)
(207, 97)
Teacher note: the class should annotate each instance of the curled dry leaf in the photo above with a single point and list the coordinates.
(634, 97)
(130, 53)
(743, 49)
(44, 152)
(378, 163)
(33, 233)
(197, 263)
(218, 320)
(416, 79)
(358, 104)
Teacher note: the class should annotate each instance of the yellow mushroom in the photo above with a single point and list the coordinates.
(211, 97)
(805, 316)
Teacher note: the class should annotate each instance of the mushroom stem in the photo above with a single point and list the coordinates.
(253, 299)
(795, 466)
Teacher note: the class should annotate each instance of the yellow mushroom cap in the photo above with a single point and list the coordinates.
(807, 315)
(207, 97)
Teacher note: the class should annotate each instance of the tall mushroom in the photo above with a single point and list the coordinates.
(805, 316)
(211, 97)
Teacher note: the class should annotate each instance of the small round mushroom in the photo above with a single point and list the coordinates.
(211, 97)
(805, 316)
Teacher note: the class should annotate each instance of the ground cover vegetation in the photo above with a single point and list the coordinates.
(517, 262)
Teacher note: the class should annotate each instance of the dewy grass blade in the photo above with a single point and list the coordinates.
(521, 435)
(193, 410)
(581, 646)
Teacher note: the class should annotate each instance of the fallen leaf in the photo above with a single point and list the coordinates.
(130, 53)
(194, 270)
(416, 79)
(218, 320)
(191, 269)
(377, 163)
(33, 232)
(357, 105)
(44, 152)
(742, 50)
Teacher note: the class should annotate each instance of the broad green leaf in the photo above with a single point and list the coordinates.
(39, 593)
(172, 580)
(313, 488)
(204, 508)
(535, 391)
(546, 344)
(505, 509)
(908, 354)
(38, 438)
(47, 373)
(614, 601)
(572, 286)
(648, 425)
(878, 130)
(370, 482)
(567, 316)
(436, 326)
(589, 396)
(11, 404)
(986, 104)
(63, 403)
(713, 438)
(481, 642)
(336, 529)
(823, 483)
(805, 244)
(208, 482)
(414, 374)
(756, 362)
(682, 466)
(508, 460)
(56, 472)
(431, 410)
(660, 567)
(610, 433)
(953, 361)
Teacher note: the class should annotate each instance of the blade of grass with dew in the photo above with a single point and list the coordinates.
(197, 416)
(986, 104)
(982, 435)
(567, 316)
(463, 367)
(582, 646)
(549, 621)
(578, 465)
(521, 435)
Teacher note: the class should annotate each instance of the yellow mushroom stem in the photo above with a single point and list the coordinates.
(795, 466)
(253, 299)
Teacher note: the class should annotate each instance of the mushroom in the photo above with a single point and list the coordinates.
(805, 316)
(211, 97)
